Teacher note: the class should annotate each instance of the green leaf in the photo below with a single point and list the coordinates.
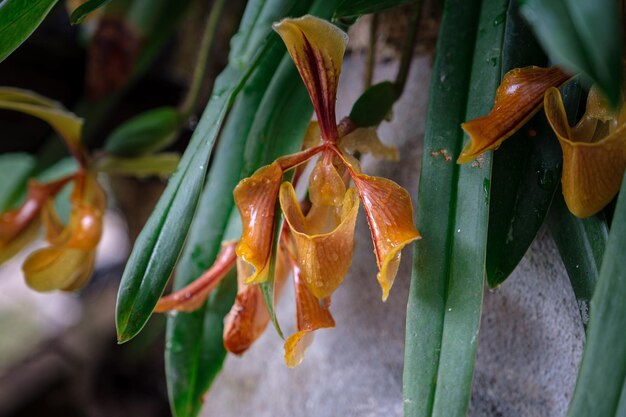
(582, 36)
(18, 20)
(147, 132)
(600, 382)
(189, 371)
(526, 168)
(266, 123)
(374, 105)
(354, 8)
(161, 165)
(15, 168)
(581, 243)
(205, 357)
(79, 14)
(267, 287)
(445, 298)
(160, 242)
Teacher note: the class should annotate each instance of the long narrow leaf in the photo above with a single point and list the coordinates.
(18, 20)
(602, 373)
(270, 124)
(160, 242)
(354, 8)
(445, 298)
(79, 14)
(526, 168)
(189, 370)
(584, 36)
(581, 243)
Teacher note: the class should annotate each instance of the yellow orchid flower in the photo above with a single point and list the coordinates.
(594, 151)
(318, 240)
(68, 262)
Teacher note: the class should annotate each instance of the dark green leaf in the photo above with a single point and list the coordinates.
(269, 124)
(160, 242)
(189, 371)
(581, 243)
(445, 298)
(15, 168)
(147, 132)
(526, 168)
(583, 36)
(84, 9)
(192, 367)
(18, 20)
(602, 373)
(160, 165)
(374, 105)
(353, 8)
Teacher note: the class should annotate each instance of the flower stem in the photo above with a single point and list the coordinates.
(199, 72)
(409, 47)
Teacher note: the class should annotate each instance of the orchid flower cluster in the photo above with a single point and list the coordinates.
(317, 241)
(594, 151)
(67, 263)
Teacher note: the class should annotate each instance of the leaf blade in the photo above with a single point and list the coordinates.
(18, 20)
(602, 371)
(443, 314)
(583, 37)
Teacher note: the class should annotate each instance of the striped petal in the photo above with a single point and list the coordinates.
(317, 48)
(518, 98)
(390, 216)
(311, 314)
(594, 153)
(255, 198)
(249, 317)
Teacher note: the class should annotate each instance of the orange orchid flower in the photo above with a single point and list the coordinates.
(323, 238)
(594, 151)
(317, 242)
(68, 262)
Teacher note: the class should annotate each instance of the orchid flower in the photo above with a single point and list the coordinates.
(323, 238)
(594, 151)
(68, 262)
(317, 242)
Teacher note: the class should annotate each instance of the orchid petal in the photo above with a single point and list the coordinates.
(20, 226)
(255, 198)
(518, 98)
(366, 140)
(317, 48)
(57, 268)
(390, 216)
(593, 167)
(249, 317)
(68, 263)
(65, 123)
(194, 295)
(311, 315)
(324, 243)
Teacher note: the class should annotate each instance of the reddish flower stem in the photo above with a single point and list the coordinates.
(193, 295)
